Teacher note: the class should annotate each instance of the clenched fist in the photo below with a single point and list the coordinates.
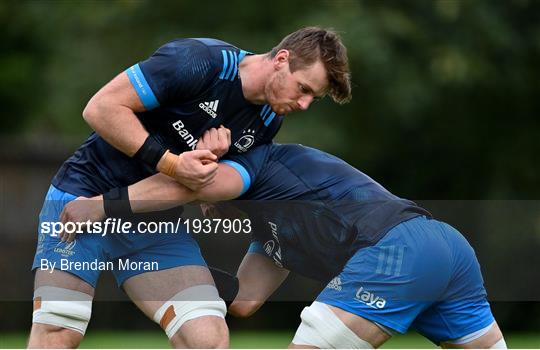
(215, 140)
(194, 169)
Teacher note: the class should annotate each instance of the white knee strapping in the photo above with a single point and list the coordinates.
(320, 327)
(190, 303)
(61, 307)
(501, 344)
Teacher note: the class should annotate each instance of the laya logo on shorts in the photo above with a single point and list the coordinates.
(246, 141)
(185, 134)
(370, 299)
(67, 250)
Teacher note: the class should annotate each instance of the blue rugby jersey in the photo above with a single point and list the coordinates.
(187, 86)
(312, 211)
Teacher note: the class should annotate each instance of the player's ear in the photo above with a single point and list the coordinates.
(281, 59)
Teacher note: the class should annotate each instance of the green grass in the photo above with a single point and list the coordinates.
(125, 339)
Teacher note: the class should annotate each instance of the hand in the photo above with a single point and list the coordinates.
(82, 209)
(195, 169)
(209, 210)
(222, 210)
(215, 140)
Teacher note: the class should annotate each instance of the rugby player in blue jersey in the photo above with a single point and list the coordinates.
(150, 119)
(389, 265)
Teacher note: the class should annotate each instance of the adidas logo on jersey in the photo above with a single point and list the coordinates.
(335, 283)
(210, 107)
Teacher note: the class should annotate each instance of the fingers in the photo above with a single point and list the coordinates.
(215, 140)
(211, 168)
(196, 169)
(205, 176)
(71, 213)
(224, 137)
(208, 173)
(205, 155)
(209, 210)
(228, 134)
(210, 136)
(70, 237)
(63, 219)
(213, 135)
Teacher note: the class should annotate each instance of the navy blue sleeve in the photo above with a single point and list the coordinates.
(256, 247)
(176, 72)
(249, 164)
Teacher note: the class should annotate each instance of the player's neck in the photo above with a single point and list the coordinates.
(254, 72)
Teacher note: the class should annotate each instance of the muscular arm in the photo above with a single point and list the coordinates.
(258, 277)
(111, 113)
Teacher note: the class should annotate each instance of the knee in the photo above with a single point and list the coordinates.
(244, 309)
(218, 338)
(49, 336)
(202, 333)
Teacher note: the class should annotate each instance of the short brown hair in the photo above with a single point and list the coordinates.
(309, 44)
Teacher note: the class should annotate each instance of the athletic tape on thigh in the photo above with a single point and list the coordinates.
(320, 327)
(190, 303)
(62, 307)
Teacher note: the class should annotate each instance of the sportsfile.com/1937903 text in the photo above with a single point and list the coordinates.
(122, 226)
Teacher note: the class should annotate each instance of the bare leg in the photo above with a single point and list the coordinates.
(49, 336)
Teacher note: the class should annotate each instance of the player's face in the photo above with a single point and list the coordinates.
(287, 92)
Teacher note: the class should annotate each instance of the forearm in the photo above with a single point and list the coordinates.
(159, 192)
(124, 131)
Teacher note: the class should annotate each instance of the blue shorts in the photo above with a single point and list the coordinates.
(423, 274)
(128, 254)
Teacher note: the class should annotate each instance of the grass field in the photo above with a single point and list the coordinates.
(98, 339)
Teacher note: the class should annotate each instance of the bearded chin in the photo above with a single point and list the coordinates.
(271, 91)
(274, 88)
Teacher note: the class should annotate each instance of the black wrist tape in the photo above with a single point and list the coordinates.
(226, 284)
(116, 203)
(150, 152)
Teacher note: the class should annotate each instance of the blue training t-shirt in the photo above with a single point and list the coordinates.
(312, 211)
(187, 86)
